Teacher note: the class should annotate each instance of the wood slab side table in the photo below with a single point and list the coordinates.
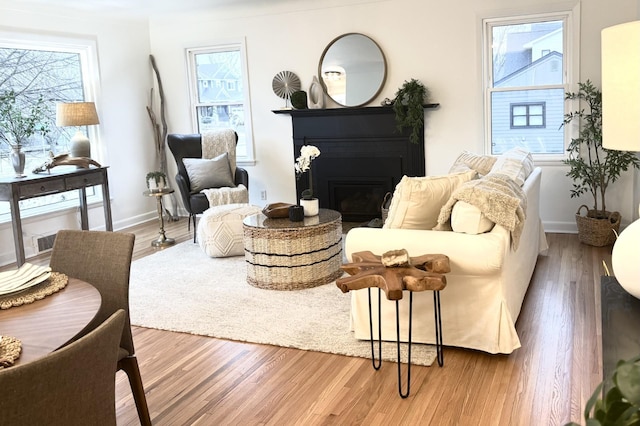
(395, 272)
(162, 240)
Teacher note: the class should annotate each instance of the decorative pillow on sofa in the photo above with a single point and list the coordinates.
(468, 160)
(213, 173)
(517, 163)
(417, 201)
(468, 219)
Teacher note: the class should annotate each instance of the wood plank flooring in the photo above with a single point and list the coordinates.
(195, 380)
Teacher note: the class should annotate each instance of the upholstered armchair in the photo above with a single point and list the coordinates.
(196, 174)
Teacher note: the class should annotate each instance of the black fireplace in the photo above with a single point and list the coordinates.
(363, 156)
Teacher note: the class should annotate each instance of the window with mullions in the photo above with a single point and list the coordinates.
(220, 93)
(527, 115)
(57, 69)
(525, 81)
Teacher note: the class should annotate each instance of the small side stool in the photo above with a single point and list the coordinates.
(219, 230)
(395, 272)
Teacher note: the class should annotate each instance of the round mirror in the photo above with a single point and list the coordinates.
(352, 69)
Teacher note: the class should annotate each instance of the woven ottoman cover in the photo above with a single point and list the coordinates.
(220, 229)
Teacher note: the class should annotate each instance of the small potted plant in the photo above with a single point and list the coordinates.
(408, 106)
(156, 181)
(593, 168)
(303, 164)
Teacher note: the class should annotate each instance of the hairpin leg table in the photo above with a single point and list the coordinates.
(395, 272)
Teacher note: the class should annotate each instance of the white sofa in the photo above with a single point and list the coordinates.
(485, 288)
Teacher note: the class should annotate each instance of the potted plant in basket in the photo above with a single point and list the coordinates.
(408, 106)
(303, 164)
(17, 125)
(593, 168)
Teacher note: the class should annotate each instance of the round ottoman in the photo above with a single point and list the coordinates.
(219, 230)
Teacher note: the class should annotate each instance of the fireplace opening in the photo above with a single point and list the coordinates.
(357, 201)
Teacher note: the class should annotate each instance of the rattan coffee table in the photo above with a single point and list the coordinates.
(286, 255)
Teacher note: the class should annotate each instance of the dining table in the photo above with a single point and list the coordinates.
(48, 324)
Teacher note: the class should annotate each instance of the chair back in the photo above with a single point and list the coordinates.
(103, 259)
(74, 385)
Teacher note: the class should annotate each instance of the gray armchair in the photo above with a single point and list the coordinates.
(189, 146)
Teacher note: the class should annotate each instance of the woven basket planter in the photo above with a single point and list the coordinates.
(595, 231)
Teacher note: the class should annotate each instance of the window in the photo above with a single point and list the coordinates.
(527, 115)
(526, 61)
(220, 93)
(58, 69)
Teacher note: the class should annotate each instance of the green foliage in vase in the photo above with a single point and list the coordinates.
(620, 405)
(591, 166)
(408, 106)
(16, 127)
(157, 176)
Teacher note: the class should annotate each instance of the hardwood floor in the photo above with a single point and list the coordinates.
(200, 380)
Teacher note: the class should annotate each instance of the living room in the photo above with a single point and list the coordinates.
(454, 81)
(436, 43)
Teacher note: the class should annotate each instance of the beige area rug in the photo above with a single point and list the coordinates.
(182, 289)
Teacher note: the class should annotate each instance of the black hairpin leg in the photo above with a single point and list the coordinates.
(404, 395)
(438, 322)
(376, 365)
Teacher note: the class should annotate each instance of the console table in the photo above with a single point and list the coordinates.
(66, 178)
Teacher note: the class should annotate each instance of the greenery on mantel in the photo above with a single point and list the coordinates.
(408, 105)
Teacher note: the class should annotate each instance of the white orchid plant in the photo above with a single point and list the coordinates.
(303, 164)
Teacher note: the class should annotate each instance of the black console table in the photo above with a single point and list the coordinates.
(620, 324)
(66, 178)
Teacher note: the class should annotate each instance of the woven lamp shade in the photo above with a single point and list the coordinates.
(76, 114)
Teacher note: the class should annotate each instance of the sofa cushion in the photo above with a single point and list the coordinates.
(468, 219)
(517, 163)
(417, 201)
(470, 161)
(209, 173)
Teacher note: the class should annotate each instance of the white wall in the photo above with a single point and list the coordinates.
(435, 42)
(123, 51)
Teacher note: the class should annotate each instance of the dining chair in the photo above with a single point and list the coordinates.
(51, 391)
(103, 259)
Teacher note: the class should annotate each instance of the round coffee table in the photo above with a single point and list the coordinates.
(286, 255)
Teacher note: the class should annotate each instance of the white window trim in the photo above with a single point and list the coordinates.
(87, 49)
(249, 160)
(567, 11)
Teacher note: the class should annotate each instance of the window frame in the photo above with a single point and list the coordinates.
(86, 48)
(528, 115)
(569, 14)
(238, 44)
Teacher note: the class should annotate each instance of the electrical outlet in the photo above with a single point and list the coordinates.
(263, 194)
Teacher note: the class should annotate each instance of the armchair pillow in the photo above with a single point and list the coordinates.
(468, 219)
(468, 160)
(209, 173)
(417, 201)
(517, 163)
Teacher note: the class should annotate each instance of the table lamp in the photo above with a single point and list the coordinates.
(621, 131)
(77, 114)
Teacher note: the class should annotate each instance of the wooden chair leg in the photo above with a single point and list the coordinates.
(130, 366)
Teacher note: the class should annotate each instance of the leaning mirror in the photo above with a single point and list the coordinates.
(352, 69)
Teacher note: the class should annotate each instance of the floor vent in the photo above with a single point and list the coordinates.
(46, 243)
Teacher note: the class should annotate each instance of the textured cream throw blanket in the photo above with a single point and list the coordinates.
(218, 142)
(497, 196)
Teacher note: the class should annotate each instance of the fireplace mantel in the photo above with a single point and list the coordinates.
(363, 156)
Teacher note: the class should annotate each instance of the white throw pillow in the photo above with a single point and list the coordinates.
(468, 160)
(517, 163)
(468, 219)
(213, 173)
(417, 201)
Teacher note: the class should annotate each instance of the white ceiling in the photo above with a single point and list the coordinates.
(130, 8)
